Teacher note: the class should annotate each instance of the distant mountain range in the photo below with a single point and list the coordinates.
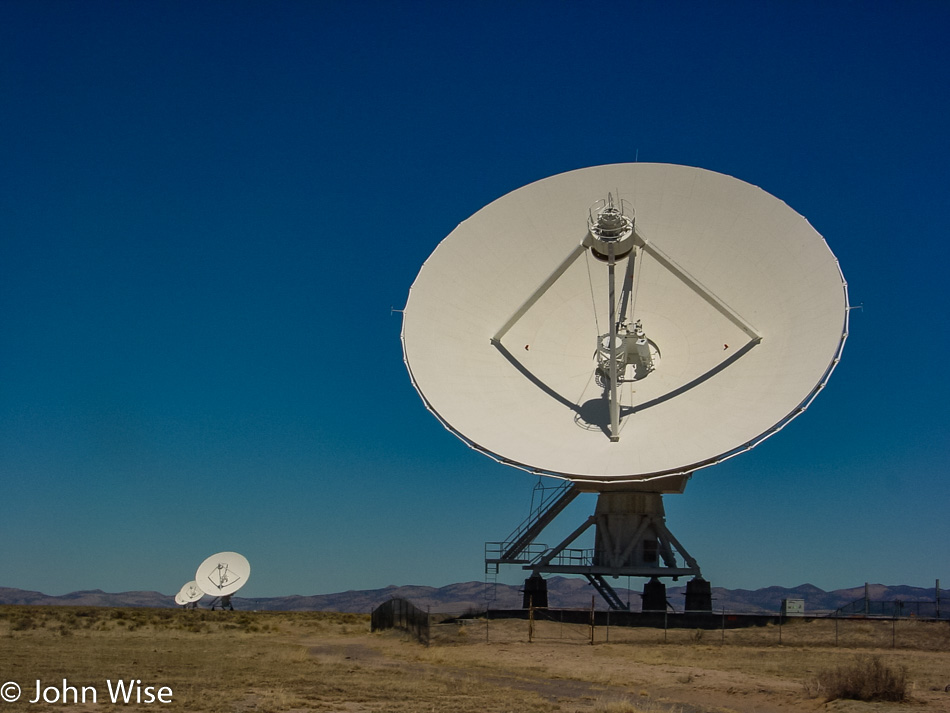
(471, 597)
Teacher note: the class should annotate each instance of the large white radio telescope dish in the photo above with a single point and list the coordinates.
(725, 316)
(223, 574)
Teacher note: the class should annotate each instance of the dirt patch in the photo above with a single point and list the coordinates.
(577, 695)
(582, 678)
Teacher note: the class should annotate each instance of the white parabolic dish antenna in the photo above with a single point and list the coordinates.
(726, 316)
(190, 592)
(223, 574)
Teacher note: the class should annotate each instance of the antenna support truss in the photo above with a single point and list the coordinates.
(631, 539)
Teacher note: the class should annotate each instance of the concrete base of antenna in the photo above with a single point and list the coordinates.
(535, 592)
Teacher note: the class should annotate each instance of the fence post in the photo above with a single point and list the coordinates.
(592, 620)
(531, 619)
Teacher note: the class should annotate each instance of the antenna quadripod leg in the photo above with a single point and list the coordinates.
(611, 237)
(614, 376)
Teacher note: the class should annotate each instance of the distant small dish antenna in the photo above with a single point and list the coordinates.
(190, 594)
(221, 575)
(620, 327)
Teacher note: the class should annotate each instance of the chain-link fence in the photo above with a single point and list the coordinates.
(402, 614)
(587, 627)
(896, 608)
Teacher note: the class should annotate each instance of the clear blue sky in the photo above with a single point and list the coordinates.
(207, 211)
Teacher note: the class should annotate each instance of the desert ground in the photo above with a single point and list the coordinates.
(206, 661)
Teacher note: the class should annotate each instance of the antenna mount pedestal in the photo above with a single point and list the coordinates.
(631, 539)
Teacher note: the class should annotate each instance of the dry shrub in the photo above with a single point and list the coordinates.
(24, 623)
(866, 679)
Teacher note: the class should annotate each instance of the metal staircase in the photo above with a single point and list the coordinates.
(518, 547)
(607, 592)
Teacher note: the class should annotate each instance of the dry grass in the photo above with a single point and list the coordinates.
(218, 662)
(310, 661)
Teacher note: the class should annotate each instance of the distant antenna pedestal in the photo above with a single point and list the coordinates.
(224, 603)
